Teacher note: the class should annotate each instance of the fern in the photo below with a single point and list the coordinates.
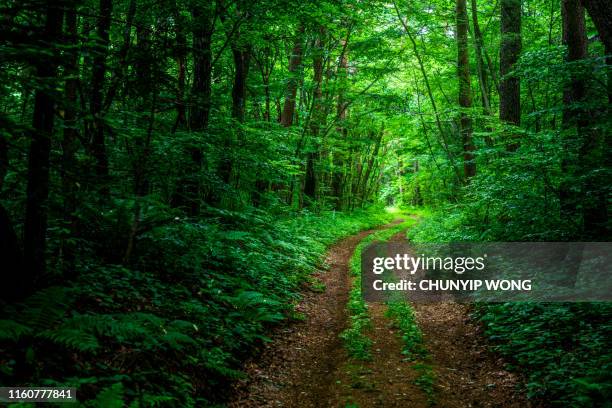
(45, 308)
(76, 339)
(12, 331)
(111, 397)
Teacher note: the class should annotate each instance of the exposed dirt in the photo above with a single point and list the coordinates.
(385, 381)
(467, 374)
(297, 369)
(306, 364)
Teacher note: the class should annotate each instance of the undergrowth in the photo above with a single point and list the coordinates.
(562, 349)
(173, 327)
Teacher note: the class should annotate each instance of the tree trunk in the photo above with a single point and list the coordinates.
(584, 150)
(203, 21)
(97, 85)
(600, 12)
(13, 285)
(483, 78)
(239, 89)
(310, 180)
(465, 96)
(510, 50)
(69, 145)
(341, 113)
(574, 37)
(295, 62)
(181, 62)
(35, 226)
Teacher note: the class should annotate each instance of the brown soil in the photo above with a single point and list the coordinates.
(385, 381)
(297, 369)
(467, 374)
(306, 364)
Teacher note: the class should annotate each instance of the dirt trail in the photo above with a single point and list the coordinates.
(385, 381)
(306, 364)
(467, 373)
(298, 367)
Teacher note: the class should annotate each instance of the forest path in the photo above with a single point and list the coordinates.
(298, 368)
(465, 372)
(306, 364)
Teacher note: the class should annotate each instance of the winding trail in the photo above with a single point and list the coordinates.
(306, 364)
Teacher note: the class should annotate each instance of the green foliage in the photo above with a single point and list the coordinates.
(172, 329)
(403, 317)
(563, 348)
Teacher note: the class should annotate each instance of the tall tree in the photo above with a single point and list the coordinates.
(483, 78)
(465, 95)
(583, 143)
(35, 226)
(295, 62)
(97, 88)
(69, 141)
(600, 12)
(316, 116)
(203, 27)
(342, 130)
(510, 50)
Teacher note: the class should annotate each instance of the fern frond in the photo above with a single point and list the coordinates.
(10, 330)
(76, 339)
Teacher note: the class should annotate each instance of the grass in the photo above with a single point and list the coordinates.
(355, 338)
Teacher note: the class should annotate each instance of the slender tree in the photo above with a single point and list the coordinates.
(483, 77)
(295, 62)
(465, 95)
(97, 88)
(312, 156)
(203, 28)
(69, 141)
(35, 226)
(510, 50)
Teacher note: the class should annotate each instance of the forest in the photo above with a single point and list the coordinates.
(176, 176)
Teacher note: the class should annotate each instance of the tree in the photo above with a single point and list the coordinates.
(600, 12)
(295, 61)
(465, 96)
(96, 102)
(203, 28)
(510, 50)
(316, 116)
(483, 80)
(35, 225)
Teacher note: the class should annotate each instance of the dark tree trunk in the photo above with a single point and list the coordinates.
(483, 78)
(69, 145)
(241, 58)
(600, 12)
(310, 180)
(239, 89)
(510, 50)
(97, 85)
(584, 147)
(203, 21)
(465, 96)
(295, 62)
(181, 61)
(574, 37)
(35, 226)
(13, 286)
